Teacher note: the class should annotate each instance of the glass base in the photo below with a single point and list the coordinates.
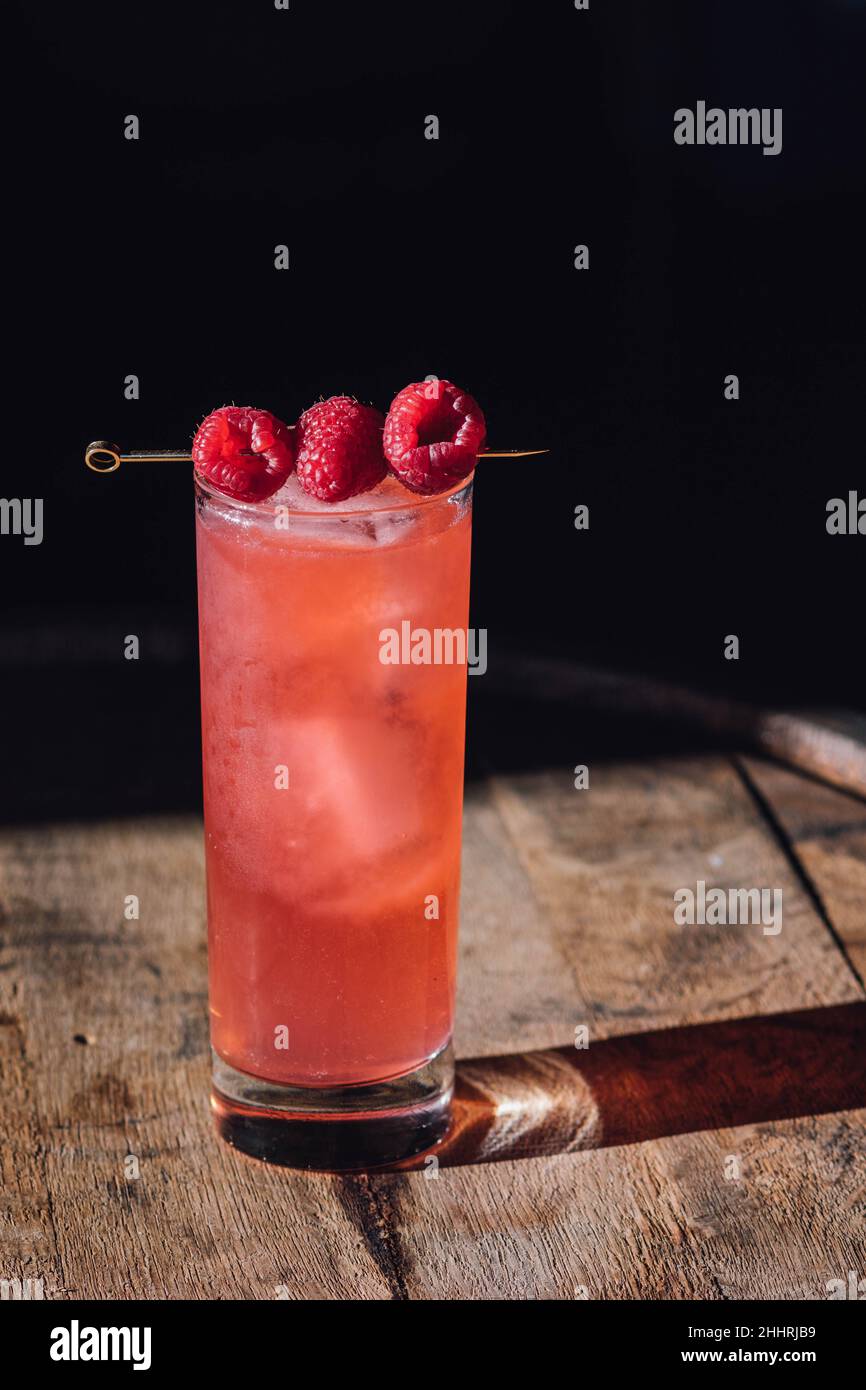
(336, 1128)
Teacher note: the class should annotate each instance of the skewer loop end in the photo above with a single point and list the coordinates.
(102, 457)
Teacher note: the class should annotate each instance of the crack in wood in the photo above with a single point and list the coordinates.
(372, 1204)
(789, 849)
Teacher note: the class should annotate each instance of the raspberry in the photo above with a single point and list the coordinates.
(244, 452)
(433, 435)
(340, 449)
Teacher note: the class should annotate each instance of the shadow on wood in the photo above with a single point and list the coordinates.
(627, 714)
(651, 1085)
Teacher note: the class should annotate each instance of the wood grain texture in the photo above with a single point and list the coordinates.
(659, 1220)
(567, 920)
(604, 866)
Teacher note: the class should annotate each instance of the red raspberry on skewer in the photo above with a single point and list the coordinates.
(433, 435)
(243, 452)
(339, 444)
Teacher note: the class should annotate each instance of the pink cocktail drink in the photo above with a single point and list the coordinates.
(333, 780)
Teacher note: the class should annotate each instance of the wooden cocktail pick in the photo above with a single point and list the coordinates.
(103, 457)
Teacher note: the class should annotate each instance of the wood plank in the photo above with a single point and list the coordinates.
(567, 919)
(28, 1244)
(828, 744)
(601, 868)
(826, 829)
(199, 1221)
(604, 865)
(661, 1220)
(514, 983)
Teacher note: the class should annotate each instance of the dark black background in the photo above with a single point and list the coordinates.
(455, 257)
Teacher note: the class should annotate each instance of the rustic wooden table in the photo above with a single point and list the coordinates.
(705, 1144)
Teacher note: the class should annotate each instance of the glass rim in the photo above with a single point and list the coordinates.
(414, 502)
